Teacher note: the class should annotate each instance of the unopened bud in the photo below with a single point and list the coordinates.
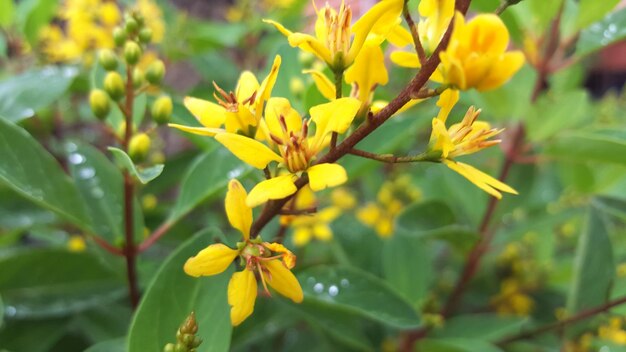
(145, 35)
(155, 72)
(119, 36)
(180, 348)
(170, 347)
(131, 26)
(107, 59)
(132, 52)
(139, 147)
(138, 77)
(100, 104)
(190, 326)
(114, 85)
(162, 110)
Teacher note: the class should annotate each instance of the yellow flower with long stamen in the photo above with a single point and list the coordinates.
(239, 111)
(292, 147)
(466, 137)
(336, 40)
(476, 56)
(271, 261)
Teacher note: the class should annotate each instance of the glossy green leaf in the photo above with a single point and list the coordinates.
(207, 176)
(407, 267)
(144, 175)
(22, 95)
(610, 29)
(7, 10)
(51, 283)
(594, 267)
(590, 11)
(27, 168)
(487, 327)
(358, 292)
(116, 345)
(46, 334)
(565, 110)
(456, 345)
(584, 147)
(172, 296)
(425, 216)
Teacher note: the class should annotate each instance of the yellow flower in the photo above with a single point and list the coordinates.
(76, 244)
(333, 42)
(239, 111)
(271, 261)
(154, 18)
(476, 56)
(342, 198)
(296, 151)
(466, 137)
(376, 217)
(512, 300)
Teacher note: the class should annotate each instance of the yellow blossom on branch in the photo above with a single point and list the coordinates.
(334, 42)
(466, 137)
(271, 261)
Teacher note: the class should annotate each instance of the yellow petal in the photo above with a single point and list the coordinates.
(203, 131)
(282, 280)
(265, 90)
(502, 70)
(379, 19)
(399, 36)
(368, 71)
(335, 116)
(446, 102)
(322, 232)
(248, 150)
(289, 259)
(487, 33)
(405, 59)
(326, 175)
(210, 261)
(239, 214)
(280, 27)
(275, 188)
(247, 85)
(277, 107)
(242, 291)
(302, 235)
(480, 179)
(207, 113)
(323, 84)
(310, 44)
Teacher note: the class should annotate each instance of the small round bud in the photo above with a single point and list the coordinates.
(131, 26)
(180, 348)
(170, 347)
(141, 21)
(121, 129)
(188, 339)
(107, 59)
(114, 85)
(138, 77)
(162, 110)
(145, 35)
(119, 36)
(132, 52)
(155, 72)
(139, 147)
(100, 104)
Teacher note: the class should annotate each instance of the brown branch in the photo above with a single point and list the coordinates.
(393, 159)
(154, 236)
(106, 245)
(562, 323)
(417, 43)
(305, 211)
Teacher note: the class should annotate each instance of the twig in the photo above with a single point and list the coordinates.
(305, 211)
(154, 236)
(107, 246)
(393, 159)
(417, 43)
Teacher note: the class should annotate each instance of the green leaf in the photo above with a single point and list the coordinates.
(207, 176)
(51, 282)
(37, 13)
(425, 216)
(565, 110)
(31, 171)
(610, 29)
(584, 147)
(1, 312)
(590, 11)
(7, 9)
(115, 345)
(352, 290)
(172, 296)
(456, 345)
(401, 256)
(22, 95)
(144, 175)
(487, 327)
(41, 337)
(594, 267)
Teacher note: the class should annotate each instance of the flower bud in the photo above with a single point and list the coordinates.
(138, 77)
(100, 104)
(170, 347)
(139, 147)
(119, 36)
(162, 110)
(145, 35)
(107, 59)
(114, 85)
(155, 72)
(180, 348)
(131, 26)
(132, 52)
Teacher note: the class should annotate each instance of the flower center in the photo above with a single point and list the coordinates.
(294, 146)
(338, 30)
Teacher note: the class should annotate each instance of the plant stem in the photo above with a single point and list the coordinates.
(417, 43)
(393, 159)
(155, 236)
(130, 251)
